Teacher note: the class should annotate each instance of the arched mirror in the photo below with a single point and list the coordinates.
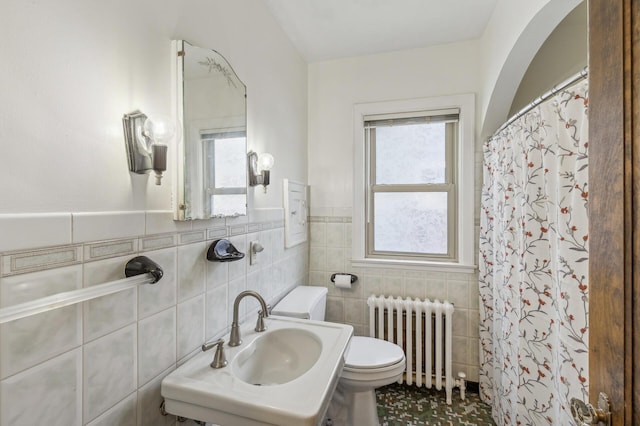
(211, 106)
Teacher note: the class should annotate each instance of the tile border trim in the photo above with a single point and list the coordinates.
(23, 262)
(40, 259)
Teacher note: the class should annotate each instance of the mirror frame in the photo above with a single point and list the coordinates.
(177, 99)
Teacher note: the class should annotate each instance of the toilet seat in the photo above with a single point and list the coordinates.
(368, 353)
(370, 372)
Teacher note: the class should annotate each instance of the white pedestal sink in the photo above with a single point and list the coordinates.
(283, 376)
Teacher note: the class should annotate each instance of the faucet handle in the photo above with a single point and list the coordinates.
(219, 359)
(260, 323)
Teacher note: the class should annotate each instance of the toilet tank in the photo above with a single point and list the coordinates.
(304, 302)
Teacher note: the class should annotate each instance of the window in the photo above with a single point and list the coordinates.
(411, 201)
(413, 180)
(224, 181)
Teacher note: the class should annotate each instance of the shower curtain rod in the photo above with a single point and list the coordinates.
(537, 101)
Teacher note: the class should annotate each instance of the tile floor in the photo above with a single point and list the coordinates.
(402, 405)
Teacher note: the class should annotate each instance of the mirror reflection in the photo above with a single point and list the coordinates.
(212, 101)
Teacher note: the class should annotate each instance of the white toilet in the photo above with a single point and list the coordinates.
(369, 363)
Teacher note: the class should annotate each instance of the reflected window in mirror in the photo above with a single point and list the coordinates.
(225, 181)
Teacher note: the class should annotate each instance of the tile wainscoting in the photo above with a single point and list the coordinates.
(330, 252)
(101, 362)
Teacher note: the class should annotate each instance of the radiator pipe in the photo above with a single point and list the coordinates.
(461, 383)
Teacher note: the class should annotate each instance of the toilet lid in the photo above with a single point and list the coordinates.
(368, 352)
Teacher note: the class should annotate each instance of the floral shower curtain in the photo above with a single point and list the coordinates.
(533, 264)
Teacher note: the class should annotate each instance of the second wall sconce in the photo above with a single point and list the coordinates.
(145, 139)
(259, 169)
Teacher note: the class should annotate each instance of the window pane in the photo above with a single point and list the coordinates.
(228, 204)
(232, 172)
(410, 154)
(413, 222)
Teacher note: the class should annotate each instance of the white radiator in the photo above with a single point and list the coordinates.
(428, 348)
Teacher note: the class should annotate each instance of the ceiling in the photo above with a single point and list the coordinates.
(329, 29)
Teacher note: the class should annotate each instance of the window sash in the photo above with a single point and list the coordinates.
(449, 187)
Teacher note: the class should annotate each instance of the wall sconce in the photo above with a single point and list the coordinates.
(145, 139)
(259, 169)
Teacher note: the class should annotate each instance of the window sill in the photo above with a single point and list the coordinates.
(413, 265)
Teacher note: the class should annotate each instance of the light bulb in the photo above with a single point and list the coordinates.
(159, 128)
(265, 161)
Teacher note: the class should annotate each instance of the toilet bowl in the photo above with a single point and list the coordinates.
(369, 363)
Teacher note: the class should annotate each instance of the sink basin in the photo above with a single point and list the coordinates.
(265, 377)
(277, 357)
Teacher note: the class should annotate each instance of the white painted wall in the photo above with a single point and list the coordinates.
(335, 86)
(563, 54)
(514, 34)
(73, 68)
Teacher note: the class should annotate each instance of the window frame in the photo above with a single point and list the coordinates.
(449, 186)
(463, 234)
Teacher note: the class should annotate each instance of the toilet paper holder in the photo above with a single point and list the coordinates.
(354, 278)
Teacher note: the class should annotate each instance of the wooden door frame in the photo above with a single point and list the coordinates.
(614, 215)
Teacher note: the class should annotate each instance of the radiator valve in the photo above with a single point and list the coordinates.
(461, 382)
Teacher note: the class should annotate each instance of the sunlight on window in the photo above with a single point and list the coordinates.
(411, 222)
(410, 154)
(230, 173)
(228, 204)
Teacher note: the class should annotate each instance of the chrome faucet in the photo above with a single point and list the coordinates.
(234, 339)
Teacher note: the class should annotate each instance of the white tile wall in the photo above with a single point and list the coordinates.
(149, 400)
(156, 344)
(97, 226)
(29, 341)
(161, 295)
(217, 310)
(121, 414)
(47, 394)
(108, 313)
(34, 230)
(102, 362)
(191, 325)
(191, 270)
(330, 252)
(109, 366)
